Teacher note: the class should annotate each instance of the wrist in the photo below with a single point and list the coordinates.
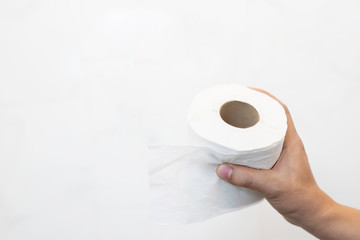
(313, 208)
(320, 213)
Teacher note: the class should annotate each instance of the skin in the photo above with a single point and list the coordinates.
(291, 189)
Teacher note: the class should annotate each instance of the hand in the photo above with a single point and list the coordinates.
(290, 186)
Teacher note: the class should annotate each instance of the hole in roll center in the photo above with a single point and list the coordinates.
(239, 114)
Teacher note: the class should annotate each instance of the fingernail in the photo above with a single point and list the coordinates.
(224, 171)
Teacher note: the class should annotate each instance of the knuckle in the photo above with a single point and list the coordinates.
(242, 179)
(247, 181)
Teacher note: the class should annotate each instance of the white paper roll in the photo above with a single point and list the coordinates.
(228, 123)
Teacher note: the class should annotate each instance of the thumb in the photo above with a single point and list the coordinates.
(242, 176)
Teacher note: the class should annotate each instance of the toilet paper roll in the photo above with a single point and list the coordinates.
(227, 123)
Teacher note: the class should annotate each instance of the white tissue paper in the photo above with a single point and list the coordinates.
(225, 123)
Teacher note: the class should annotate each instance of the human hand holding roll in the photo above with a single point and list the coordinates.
(291, 189)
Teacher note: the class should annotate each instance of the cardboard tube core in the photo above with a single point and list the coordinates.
(239, 114)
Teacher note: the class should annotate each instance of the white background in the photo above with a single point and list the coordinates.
(72, 79)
